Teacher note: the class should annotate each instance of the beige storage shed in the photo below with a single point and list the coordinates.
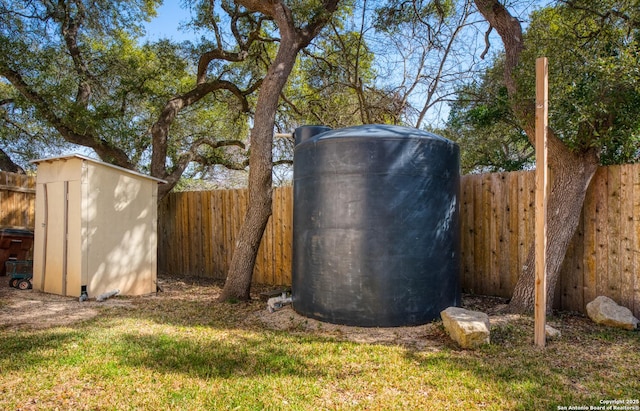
(96, 228)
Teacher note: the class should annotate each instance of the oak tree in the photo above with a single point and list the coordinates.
(593, 54)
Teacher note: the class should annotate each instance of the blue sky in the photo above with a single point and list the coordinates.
(166, 24)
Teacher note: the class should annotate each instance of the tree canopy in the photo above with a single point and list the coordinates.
(482, 123)
(594, 89)
(75, 73)
(592, 49)
(90, 83)
(168, 108)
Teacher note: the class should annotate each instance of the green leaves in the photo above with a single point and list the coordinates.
(397, 12)
(593, 70)
(76, 72)
(594, 88)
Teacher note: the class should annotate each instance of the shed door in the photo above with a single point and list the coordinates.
(55, 243)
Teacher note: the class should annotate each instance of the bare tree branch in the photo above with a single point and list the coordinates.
(486, 42)
(510, 31)
(160, 129)
(70, 27)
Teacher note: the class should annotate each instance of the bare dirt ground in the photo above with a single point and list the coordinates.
(422, 337)
(29, 309)
(36, 310)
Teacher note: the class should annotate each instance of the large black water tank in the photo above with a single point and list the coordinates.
(375, 226)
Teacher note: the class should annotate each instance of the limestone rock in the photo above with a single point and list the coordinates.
(551, 332)
(603, 310)
(470, 329)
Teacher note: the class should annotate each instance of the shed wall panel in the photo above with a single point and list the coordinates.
(96, 227)
(120, 235)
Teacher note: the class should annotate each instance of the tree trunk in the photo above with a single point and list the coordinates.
(571, 171)
(238, 283)
(571, 174)
(7, 164)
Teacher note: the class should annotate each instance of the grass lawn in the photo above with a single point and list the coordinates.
(181, 350)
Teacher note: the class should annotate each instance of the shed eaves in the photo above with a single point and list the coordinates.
(93, 160)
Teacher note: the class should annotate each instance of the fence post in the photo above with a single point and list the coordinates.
(541, 201)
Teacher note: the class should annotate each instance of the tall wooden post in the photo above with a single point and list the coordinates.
(542, 104)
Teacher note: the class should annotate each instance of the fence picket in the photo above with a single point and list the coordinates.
(467, 232)
(628, 268)
(601, 193)
(590, 245)
(613, 226)
(515, 263)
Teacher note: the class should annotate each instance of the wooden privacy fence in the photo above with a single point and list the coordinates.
(497, 217)
(17, 201)
(197, 234)
(197, 231)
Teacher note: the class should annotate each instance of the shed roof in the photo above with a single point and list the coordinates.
(93, 160)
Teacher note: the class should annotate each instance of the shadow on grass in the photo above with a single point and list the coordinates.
(25, 350)
(579, 369)
(107, 346)
(231, 357)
